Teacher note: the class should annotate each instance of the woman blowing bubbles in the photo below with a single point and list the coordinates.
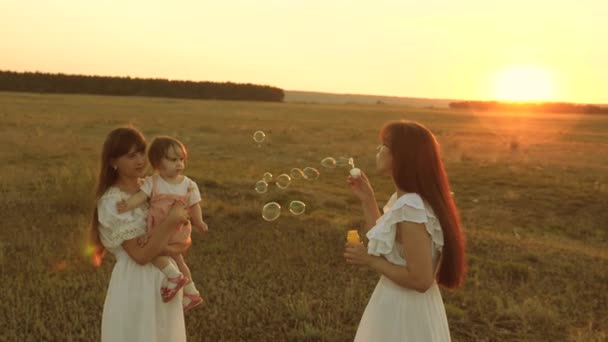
(415, 245)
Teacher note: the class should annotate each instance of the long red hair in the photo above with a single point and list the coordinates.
(418, 168)
(119, 142)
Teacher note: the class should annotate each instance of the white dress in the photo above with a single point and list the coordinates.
(133, 310)
(395, 313)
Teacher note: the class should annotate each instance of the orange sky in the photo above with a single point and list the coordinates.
(466, 49)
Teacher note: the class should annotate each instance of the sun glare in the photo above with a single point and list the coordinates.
(524, 83)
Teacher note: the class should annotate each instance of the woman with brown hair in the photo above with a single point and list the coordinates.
(133, 308)
(416, 245)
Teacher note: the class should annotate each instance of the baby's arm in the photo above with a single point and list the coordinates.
(196, 216)
(132, 202)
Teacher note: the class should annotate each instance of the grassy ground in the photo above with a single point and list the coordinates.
(532, 190)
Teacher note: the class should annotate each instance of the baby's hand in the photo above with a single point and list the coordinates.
(202, 227)
(121, 206)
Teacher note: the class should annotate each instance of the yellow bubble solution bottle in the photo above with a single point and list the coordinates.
(353, 237)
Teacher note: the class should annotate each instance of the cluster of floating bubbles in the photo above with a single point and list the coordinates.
(284, 180)
(332, 163)
(347, 162)
(272, 210)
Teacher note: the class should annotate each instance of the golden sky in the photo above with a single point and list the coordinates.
(465, 49)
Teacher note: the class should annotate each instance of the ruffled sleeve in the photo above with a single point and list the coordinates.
(114, 228)
(409, 207)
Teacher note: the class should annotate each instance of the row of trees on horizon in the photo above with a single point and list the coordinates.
(38, 82)
(541, 107)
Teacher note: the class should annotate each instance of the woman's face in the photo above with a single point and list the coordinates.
(132, 164)
(384, 160)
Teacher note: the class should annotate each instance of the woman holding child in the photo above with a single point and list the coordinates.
(134, 309)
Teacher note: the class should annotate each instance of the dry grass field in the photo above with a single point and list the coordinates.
(532, 191)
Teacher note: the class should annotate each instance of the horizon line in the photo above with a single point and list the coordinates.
(311, 91)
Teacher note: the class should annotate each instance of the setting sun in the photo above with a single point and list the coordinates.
(524, 83)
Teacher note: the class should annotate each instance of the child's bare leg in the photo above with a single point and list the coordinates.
(189, 288)
(181, 264)
(161, 262)
(164, 264)
(192, 297)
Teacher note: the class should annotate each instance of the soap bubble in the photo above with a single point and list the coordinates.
(297, 207)
(328, 162)
(267, 177)
(271, 211)
(283, 181)
(296, 173)
(311, 173)
(259, 137)
(342, 161)
(261, 186)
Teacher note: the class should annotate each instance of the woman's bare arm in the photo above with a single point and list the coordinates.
(362, 189)
(177, 248)
(417, 274)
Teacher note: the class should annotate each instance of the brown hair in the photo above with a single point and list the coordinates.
(159, 148)
(418, 168)
(118, 142)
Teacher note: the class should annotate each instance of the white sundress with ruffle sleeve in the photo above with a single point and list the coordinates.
(133, 309)
(395, 313)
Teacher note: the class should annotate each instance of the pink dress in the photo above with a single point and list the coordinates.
(163, 195)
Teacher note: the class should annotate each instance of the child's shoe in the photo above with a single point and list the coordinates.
(194, 300)
(168, 293)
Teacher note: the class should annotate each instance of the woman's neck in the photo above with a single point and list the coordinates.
(128, 184)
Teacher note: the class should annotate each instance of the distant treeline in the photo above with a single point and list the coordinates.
(80, 84)
(546, 107)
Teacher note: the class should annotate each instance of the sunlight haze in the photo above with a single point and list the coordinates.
(443, 49)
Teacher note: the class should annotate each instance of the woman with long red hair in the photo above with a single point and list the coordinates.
(416, 245)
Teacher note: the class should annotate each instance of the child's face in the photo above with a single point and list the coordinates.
(173, 163)
(384, 160)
